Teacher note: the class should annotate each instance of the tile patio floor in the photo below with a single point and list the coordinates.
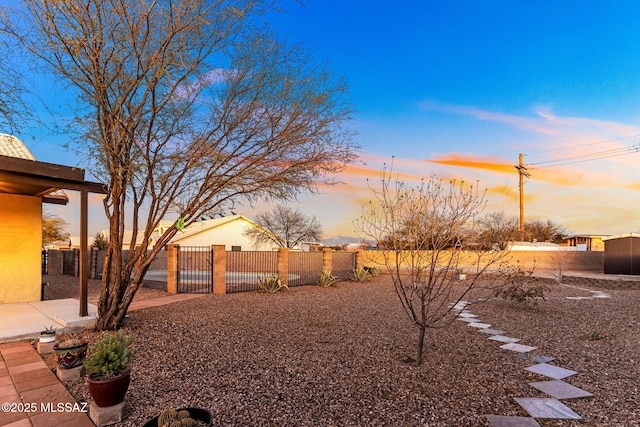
(26, 380)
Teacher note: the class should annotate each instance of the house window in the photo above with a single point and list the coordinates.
(236, 248)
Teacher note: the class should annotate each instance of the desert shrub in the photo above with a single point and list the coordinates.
(270, 284)
(327, 279)
(523, 293)
(373, 271)
(359, 275)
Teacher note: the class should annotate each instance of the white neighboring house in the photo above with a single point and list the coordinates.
(227, 231)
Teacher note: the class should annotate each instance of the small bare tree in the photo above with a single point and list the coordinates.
(284, 227)
(428, 235)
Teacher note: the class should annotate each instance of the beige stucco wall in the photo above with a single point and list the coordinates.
(553, 261)
(20, 248)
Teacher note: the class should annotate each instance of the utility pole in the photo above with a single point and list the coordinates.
(522, 171)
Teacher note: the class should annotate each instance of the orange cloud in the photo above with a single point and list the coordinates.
(485, 163)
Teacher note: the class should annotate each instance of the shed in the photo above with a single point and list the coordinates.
(622, 254)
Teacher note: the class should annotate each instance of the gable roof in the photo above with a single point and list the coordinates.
(206, 225)
(11, 146)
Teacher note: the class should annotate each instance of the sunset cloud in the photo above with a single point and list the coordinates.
(492, 164)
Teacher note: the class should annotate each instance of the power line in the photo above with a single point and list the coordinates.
(604, 141)
(580, 158)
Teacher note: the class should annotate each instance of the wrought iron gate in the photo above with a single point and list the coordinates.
(194, 273)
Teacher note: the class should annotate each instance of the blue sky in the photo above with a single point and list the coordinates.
(470, 84)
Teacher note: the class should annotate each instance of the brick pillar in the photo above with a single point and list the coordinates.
(219, 266)
(360, 258)
(173, 252)
(283, 265)
(327, 259)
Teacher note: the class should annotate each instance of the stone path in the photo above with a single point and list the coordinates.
(537, 408)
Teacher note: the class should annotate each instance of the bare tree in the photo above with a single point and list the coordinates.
(284, 227)
(497, 229)
(428, 232)
(187, 107)
(544, 231)
(14, 111)
(53, 228)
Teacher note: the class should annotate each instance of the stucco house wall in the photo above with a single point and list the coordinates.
(20, 248)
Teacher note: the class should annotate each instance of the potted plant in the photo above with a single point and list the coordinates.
(108, 369)
(70, 353)
(181, 417)
(48, 335)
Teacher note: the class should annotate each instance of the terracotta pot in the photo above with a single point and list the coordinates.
(197, 414)
(70, 357)
(109, 391)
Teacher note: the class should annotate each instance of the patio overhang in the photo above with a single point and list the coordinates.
(29, 177)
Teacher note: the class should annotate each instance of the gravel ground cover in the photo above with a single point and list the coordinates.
(312, 356)
(59, 287)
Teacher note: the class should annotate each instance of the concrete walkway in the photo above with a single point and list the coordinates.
(26, 320)
(30, 393)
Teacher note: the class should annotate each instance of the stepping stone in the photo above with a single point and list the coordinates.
(518, 348)
(506, 421)
(546, 408)
(560, 390)
(467, 319)
(460, 305)
(479, 325)
(491, 331)
(502, 338)
(555, 372)
(463, 314)
(535, 358)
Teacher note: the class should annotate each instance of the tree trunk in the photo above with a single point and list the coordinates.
(421, 335)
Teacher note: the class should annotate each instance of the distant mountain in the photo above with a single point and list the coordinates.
(341, 240)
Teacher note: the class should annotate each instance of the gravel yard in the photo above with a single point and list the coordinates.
(58, 287)
(312, 356)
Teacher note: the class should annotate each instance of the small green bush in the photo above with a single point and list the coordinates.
(327, 279)
(110, 357)
(270, 284)
(359, 275)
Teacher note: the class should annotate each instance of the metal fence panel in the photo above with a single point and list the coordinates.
(195, 264)
(246, 267)
(304, 268)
